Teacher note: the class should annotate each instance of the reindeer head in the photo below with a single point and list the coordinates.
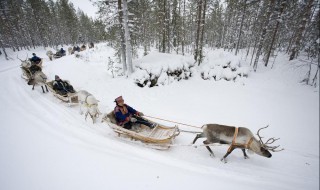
(265, 147)
(24, 63)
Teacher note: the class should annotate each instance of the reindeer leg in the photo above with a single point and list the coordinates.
(46, 88)
(208, 148)
(86, 115)
(225, 156)
(244, 153)
(42, 89)
(80, 106)
(33, 87)
(92, 117)
(197, 136)
(195, 139)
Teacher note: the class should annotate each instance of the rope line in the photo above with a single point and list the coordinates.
(173, 122)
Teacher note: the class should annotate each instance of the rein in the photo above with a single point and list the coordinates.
(89, 105)
(173, 121)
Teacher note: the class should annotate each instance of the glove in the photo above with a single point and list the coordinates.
(141, 114)
(133, 120)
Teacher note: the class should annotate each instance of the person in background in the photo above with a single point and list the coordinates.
(35, 59)
(35, 64)
(62, 52)
(62, 87)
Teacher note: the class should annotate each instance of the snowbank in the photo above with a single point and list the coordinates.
(157, 69)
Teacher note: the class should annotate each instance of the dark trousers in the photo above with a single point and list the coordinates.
(140, 120)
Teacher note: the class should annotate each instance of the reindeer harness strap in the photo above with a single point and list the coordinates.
(233, 140)
(234, 144)
(87, 104)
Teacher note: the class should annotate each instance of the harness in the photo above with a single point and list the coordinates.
(238, 145)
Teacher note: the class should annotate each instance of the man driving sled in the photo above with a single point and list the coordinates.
(126, 116)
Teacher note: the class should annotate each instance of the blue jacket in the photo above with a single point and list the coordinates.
(35, 59)
(123, 118)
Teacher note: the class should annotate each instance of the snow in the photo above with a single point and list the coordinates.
(45, 144)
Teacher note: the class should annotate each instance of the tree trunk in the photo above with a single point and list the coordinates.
(183, 27)
(196, 50)
(164, 27)
(301, 29)
(123, 45)
(3, 49)
(200, 56)
(263, 34)
(242, 19)
(127, 37)
(283, 4)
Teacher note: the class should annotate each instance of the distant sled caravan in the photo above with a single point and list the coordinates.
(70, 98)
(160, 137)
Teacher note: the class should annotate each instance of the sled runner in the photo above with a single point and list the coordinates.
(70, 98)
(160, 137)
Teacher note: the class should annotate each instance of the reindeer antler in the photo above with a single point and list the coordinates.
(260, 138)
(269, 142)
(19, 58)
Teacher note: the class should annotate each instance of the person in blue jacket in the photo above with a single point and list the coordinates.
(35, 64)
(35, 59)
(126, 116)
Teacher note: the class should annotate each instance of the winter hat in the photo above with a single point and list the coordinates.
(33, 54)
(118, 99)
(56, 77)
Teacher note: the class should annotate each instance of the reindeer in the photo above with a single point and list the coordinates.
(90, 103)
(237, 138)
(50, 54)
(70, 50)
(38, 78)
(25, 65)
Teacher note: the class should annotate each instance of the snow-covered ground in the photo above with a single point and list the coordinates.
(44, 144)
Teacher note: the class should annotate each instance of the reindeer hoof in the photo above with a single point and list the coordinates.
(212, 155)
(223, 160)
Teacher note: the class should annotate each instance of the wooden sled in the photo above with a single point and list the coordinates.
(71, 98)
(160, 137)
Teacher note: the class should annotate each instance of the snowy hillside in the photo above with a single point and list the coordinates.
(45, 144)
